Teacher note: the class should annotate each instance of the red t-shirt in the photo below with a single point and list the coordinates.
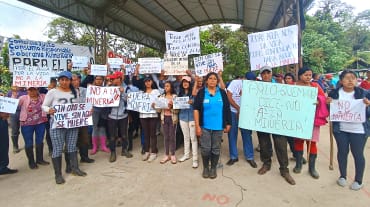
(365, 85)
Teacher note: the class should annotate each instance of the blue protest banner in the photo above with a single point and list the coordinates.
(278, 108)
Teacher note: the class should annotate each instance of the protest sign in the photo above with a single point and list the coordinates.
(140, 102)
(115, 62)
(175, 65)
(8, 105)
(348, 111)
(181, 102)
(31, 76)
(103, 96)
(208, 63)
(71, 115)
(150, 65)
(274, 47)
(180, 44)
(161, 103)
(80, 61)
(130, 69)
(99, 70)
(45, 54)
(278, 108)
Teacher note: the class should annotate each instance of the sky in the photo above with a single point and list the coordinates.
(31, 23)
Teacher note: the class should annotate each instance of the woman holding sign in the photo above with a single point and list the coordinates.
(350, 135)
(212, 117)
(65, 93)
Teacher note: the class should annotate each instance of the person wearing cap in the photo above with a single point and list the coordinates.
(211, 101)
(280, 142)
(187, 124)
(83, 134)
(65, 93)
(118, 120)
(234, 92)
(4, 144)
(279, 78)
(33, 121)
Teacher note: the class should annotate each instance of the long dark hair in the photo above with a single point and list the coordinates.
(73, 90)
(182, 89)
(172, 90)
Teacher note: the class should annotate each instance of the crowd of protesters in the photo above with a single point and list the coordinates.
(208, 96)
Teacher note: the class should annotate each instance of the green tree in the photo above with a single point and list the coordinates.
(5, 78)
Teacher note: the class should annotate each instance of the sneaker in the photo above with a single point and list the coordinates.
(145, 156)
(183, 158)
(152, 157)
(342, 182)
(356, 186)
(195, 164)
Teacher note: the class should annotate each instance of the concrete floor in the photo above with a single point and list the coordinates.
(132, 182)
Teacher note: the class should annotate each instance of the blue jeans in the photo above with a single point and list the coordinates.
(355, 142)
(28, 131)
(233, 140)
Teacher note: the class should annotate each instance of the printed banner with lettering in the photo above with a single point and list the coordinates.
(8, 105)
(31, 76)
(140, 102)
(115, 62)
(180, 44)
(150, 65)
(80, 61)
(45, 54)
(181, 102)
(274, 47)
(348, 111)
(208, 63)
(175, 65)
(278, 108)
(71, 115)
(99, 70)
(103, 96)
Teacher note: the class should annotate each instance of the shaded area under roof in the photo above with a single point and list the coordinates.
(145, 21)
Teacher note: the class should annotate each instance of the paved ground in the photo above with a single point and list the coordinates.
(132, 182)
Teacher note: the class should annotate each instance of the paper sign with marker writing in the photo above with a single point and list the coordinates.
(80, 61)
(103, 96)
(99, 70)
(31, 76)
(115, 62)
(140, 102)
(348, 111)
(180, 44)
(8, 105)
(181, 102)
(71, 115)
(208, 63)
(278, 108)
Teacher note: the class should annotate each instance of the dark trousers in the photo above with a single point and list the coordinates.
(149, 127)
(280, 144)
(83, 137)
(117, 127)
(4, 144)
(169, 131)
(355, 142)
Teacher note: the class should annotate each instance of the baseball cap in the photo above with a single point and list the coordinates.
(187, 78)
(147, 78)
(66, 74)
(250, 76)
(264, 68)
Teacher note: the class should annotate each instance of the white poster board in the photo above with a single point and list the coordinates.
(103, 96)
(31, 76)
(208, 63)
(80, 61)
(150, 65)
(99, 70)
(348, 111)
(273, 48)
(115, 62)
(71, 115)
(181, 102)
(8, 105)
(175, 65)
(140, 102)
(180, 44)
(161, 103)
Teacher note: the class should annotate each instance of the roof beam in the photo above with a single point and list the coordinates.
(164, 8)
(219, 6)
(183, 6)
(204, 10)
(259, 13)
(152, 13)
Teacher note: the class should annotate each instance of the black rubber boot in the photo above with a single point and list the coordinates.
(214, 162)
(311, 166)
(31, 159)
(205, 159)
(113, 156)
(40, 155)
(84, 154)
(125, 152)
(57, 164)
(74, 165)
(15, 144)
(68, 163)
(298, 162)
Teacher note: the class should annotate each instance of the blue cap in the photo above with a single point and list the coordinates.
(250, 76)
(66, 74)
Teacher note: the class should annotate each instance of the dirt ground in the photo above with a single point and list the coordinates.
(132, 182)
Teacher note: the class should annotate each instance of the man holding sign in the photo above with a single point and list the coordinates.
(350, 134)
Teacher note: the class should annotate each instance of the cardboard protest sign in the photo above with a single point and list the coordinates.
(150, 65)
(31, 76)
(175, 65)
(71, 115)
(80, 61)
(274, 47)
(348, 111)
(181, 102)
(115, 62)
(130, 69)
(180, 44)
(45, 54)
(103, 96)
(161, 103)
(8, 105)
(278, 108)
(208, 63)
(99, 70)
(140, 102)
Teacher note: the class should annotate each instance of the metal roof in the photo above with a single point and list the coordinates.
(145, 21)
